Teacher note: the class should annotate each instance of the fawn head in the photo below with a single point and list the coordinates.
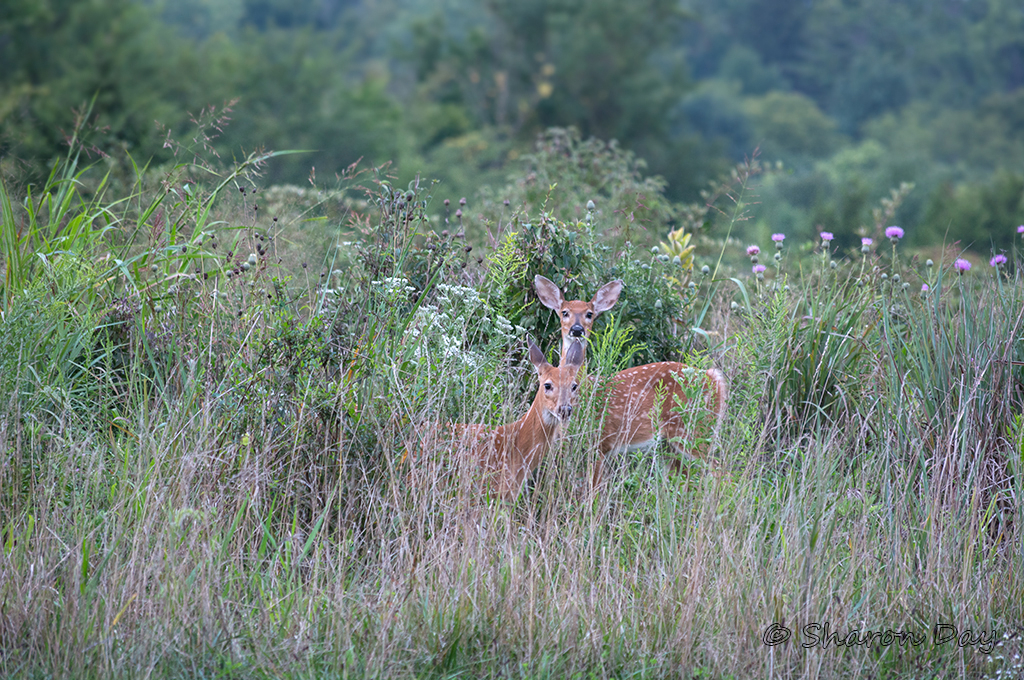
(576, 316)
(558, 384)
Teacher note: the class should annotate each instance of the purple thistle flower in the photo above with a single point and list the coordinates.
(759, 268)
(924, 287)
(866, 241)
(827, 236)
(1020, 229)
(997, 260)
(894, 233)
(753, 250)
(962, 265)
(778, 238)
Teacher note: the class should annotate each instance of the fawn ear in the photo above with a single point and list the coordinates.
(607, 296)
(537, 356)
(574, 355)
(549, 294)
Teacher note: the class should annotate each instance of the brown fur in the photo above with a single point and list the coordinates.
(629, 421)
(510, 452)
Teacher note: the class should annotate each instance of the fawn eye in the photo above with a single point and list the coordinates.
(547, 386)
(590, 315)
(565, 313)
(574, 386)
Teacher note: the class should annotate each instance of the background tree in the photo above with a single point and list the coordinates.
(853, 98)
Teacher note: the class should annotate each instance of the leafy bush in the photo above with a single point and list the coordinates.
(566, 173)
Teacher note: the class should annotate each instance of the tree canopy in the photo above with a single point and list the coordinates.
(459, 91)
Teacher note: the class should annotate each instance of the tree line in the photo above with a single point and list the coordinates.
(853, 98)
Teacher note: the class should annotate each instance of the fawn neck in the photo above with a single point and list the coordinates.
(519, 447)
(527, 440)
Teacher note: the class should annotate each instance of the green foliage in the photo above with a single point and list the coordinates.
(815, 353)
(48, 354)
(716, 111)
(294, 90)
(573, 258)
(538, 65)
(947, 352)
(507, 269)
(744, 65)
(199, 407)
(459, 92)
(941, 116)
(874, 85)
(61, 54)
(291, 88)
(791, 127)
(566, 172)
(679, 246)
(653, 304)
(962, 214)
(611, 348)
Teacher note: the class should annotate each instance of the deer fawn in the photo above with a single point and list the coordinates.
(510, 452)
(577, 316)
(630, 422)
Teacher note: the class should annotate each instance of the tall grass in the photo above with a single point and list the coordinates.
(214, 475)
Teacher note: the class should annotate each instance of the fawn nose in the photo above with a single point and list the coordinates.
(564, 411)
(576, 330)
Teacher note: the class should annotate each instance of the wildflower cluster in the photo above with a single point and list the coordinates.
(446, 327)
(893, 275)
(504, 328)
(394, 289)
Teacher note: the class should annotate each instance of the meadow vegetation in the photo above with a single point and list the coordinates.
(214, 394)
